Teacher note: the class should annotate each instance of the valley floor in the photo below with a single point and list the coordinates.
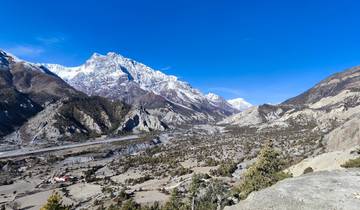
(146, 168)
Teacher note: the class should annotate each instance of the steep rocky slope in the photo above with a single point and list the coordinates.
(25, 89)
(116, 77)
(43, 109)
(15, 109)
(331, 86)
(70, 119)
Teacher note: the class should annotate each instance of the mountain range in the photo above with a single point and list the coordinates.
(108, 94)
(118, 78)
(38, 107)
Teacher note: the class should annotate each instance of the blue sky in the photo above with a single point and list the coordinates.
(263, 51)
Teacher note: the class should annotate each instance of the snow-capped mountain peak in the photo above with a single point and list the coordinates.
(117, 77)
(239, 104)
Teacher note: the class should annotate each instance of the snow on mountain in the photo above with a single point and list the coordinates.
(220, 102)
(239, 104)
(116, 77)
(113, 68)
(213, 97)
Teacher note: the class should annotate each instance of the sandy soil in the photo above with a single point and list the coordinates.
(34, 201)
(204, 170)
(152, 184)
(190, 163)
(82, 191)
(127, 175)
(149, 197)
(21, 186)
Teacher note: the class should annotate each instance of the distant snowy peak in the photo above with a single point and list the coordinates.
(239, 104)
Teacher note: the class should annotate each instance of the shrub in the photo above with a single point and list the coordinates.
(196, 181)
(226, 168)
(65, 191)
(122, 196)
(308, 170)
(139, 180)
(175, 202)
(90, 174)
(130, 205)
(211, 162)
(352, 163)
(207, 194)
(180, 171)
(265, 172)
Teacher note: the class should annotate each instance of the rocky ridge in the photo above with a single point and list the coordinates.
(331, 108)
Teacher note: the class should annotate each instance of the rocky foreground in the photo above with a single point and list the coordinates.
(319, 190)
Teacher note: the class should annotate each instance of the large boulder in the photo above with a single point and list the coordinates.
(324, 190)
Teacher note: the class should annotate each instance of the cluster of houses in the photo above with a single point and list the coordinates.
(61, 179)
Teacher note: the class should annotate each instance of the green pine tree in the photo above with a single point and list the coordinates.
(54, 202)
(266, 171)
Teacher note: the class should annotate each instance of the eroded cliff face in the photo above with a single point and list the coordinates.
(139, 120)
